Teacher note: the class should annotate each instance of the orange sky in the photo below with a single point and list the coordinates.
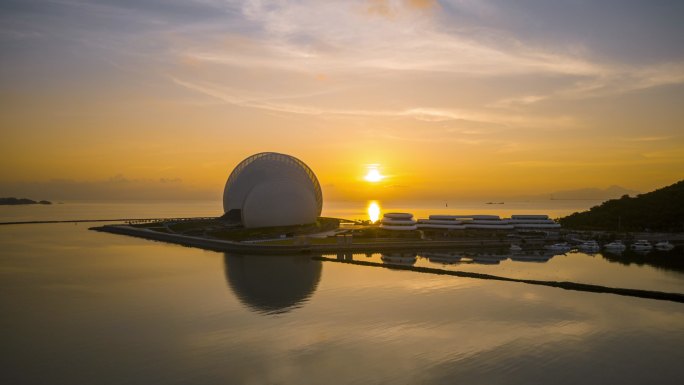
(450, 99)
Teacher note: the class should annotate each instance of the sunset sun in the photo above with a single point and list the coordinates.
(373, 175)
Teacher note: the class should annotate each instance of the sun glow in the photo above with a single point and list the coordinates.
(373, 175)
(373, 211)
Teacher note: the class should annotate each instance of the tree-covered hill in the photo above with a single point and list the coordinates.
(21, 201)
(659, 210)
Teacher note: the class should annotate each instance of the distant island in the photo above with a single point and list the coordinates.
(589, 193)
(22, 201)
(659, 210)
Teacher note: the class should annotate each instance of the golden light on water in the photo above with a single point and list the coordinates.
(373, 175)
(373, 211)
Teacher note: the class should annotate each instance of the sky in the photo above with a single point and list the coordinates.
(160, 99)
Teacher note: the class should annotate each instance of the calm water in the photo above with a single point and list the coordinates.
(80, 307)
(349, 210)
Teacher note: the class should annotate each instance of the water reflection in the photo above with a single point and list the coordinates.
(373, 211)
(665, 260)
(534, 256)
(272, 284)
(279, 284)
(443, 258)
(488, 258)
(399, 258)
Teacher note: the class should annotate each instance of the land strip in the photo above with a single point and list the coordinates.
(261, 248)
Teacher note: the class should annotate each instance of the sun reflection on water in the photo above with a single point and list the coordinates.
(373, 211)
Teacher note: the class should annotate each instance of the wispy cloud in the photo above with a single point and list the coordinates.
(647, 139)
(231, 96)
(340, 43)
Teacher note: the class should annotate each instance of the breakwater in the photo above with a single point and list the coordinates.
(638, 293)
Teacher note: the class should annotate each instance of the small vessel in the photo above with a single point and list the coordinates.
(515, 248)
(558, 247)
(664, 246)
(615, 246)
(642, 245)
(589, 246)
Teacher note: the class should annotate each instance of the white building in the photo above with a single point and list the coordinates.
(487, 222)
(272, 189)
(398, 221)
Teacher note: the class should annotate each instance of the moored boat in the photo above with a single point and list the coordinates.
(589, 246)
(616, 245)
(664, 246)
(641, 245)
(558, 247)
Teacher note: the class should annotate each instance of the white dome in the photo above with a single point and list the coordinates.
(271, 189)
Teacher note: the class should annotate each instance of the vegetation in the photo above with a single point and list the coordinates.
(218, 229)
(376, 232)
(659, 210)
(22, 201)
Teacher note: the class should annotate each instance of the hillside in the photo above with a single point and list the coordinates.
(659, 210)
(21, 201)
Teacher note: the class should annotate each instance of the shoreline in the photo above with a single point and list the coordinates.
(257, 248)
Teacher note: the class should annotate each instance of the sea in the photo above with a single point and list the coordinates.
(84, 307)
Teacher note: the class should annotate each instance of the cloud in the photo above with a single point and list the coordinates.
(385, 59)
(647, 139)
(391, 9)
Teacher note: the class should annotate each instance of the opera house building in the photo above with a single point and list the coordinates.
(271, 189)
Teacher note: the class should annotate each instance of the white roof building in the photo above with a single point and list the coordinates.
(272, 189)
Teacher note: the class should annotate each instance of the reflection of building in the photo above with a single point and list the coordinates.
(488, 259)
(399, 258)
(271, 189)
(443, 257)
(272, 284)
(536, 256)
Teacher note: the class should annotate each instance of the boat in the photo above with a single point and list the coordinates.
(615, 246)
(558, 247)
(515, 248)
(664, 246)
(641, 245)
(589, 246)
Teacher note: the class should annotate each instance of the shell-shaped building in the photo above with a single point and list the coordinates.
(272, 189)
